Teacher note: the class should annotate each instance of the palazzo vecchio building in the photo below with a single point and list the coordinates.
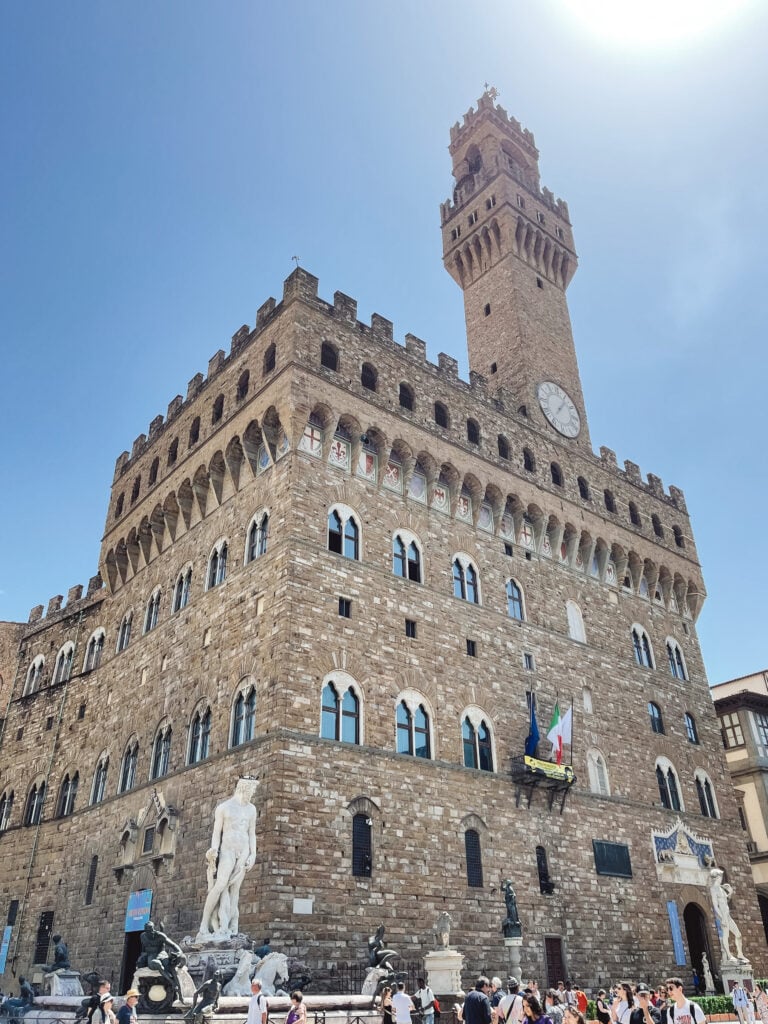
(342, 569)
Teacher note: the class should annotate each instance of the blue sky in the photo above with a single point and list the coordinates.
(162, 163)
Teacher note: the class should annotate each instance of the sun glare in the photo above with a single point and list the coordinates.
(654, 22)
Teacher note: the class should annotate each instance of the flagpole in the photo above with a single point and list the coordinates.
(572, 731)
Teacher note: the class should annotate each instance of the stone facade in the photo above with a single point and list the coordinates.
(312, 411)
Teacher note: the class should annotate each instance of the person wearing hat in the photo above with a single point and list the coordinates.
(107, 1001)
(644, 1012)
(510, 1009)
(127, 1012)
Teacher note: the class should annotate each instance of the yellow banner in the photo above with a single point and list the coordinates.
(550, 769)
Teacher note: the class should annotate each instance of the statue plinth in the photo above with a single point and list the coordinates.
(733, 971)
(64, 983)
(156, 993)
(443, 968)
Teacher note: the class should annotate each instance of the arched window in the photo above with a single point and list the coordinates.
(609, 500)
(361, 846)
(340, 717)
(474, 858)
(34, 675)
(343, 532)
(412, 731)
(478, 748)
(217, 565)
(556, 473)
(136, 489)
(654, 714)
(575, 622)
(515, 605)
(546, 885)
(242, 385)
(634, 515)
(503, 447)
(94, 651)
(598, 773)
(473, 431)
(153, 471)
(705, 794)
(99, 787)
(6, 806)
(244, 717)
(669, 787)
(690, 728)
(182, 589)
(675, 660)
(119, 504)
(269, 359)
(529, 462)
(173, 451)
(329, 356)
(679, 538)
(465, 580)
(641, 646)
(441, 415)
(199, 735)
(65, 805)
(369, 377)
(33, 809)
(258, 537)
(124, 633)
(161, 753)
(583, 489)
(406, 397)
(153, 611)
(658, 529)
(406, 557)
(128, 766)
(218, 409)
(63, 668)
(194, 431)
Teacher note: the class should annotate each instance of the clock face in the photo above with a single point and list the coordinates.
(558, 407)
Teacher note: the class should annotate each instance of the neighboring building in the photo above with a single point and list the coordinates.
(341, 568)
(742, 707)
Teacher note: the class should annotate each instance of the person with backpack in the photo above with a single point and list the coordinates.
(510, 1009)
(679, 1009)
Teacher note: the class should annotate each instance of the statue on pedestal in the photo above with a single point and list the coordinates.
(511, 926)
(232, 853)
(443, 930)
(161, 954)
(721, 894)
(205, 1001)
(18, 1006)
(709, 981)
(60, 956)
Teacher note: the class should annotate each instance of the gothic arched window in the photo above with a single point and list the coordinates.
(65, 805)
(199, 735)
(161, 753)
(100, 780)
(343, 533)
(340, 718)
(641, 646)
(244, 717)
(654, 714)
(217, 565)
(478, 751)
(182, 589)
(128, 767)
(515, 606)
(406, 558)
(465, 580)
(33, 809)
(675, 660)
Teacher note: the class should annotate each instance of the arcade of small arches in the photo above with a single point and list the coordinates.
(395, 466)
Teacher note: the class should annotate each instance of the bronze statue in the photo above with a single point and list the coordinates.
(161, 954)
(60, 956)
(205, 1001)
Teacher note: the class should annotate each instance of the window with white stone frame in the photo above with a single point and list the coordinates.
(675, 659)
(341, 709)
(641, 647)
(93, 650)
(344, 532)
(477, 740)
(466, 578)
(669, 785)
(257, 536)
(406, 556)
(34, 677)
(63, 667)
(706, 794)
(99, 787)
(597, 771)
(217, 565)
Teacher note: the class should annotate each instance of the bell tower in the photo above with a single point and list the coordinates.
(507, 242)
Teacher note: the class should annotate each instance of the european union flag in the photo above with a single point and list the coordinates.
(532, 740)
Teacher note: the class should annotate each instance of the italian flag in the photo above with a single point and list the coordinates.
(559, 732)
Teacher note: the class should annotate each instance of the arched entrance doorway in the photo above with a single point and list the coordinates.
(696, 933)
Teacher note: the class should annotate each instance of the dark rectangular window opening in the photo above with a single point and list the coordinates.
(612, 859)
(528, 662)
(508, 550)
(13, 909)
(345, 608)
(49, 723)
(43, 938)
(361, 845)
(19, 733)
(472, 648)
(410, 628)
(487, 309)
(149, 839)
(81, 711)
(539, 283)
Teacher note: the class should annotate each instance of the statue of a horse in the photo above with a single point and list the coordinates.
(272, 972)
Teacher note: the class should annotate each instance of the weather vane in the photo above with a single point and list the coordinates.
(295, 260)
(492, 91)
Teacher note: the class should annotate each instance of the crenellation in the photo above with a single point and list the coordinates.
(194, 386)
(382, 329)
(416, 347)
(95, 584)
(265, 312)
(138, 445)
(345, 307)
(678, 498)
(121, 464)
(655, 486)
(633, 472)
(448, 365)
(36, 613)
(239, 338)
(174, 408)
(608, 457)
(54, 605)
(156, 426)
(299, 285)
(74, 594)
(478, 382)
(215, 363)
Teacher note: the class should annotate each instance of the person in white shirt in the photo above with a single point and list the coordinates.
(402, 1004)
(257, 1007)
(510, 1009)
(426, 1000)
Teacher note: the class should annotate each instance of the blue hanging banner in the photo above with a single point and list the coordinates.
(4, 946)
(677, 935)
(138, 910)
